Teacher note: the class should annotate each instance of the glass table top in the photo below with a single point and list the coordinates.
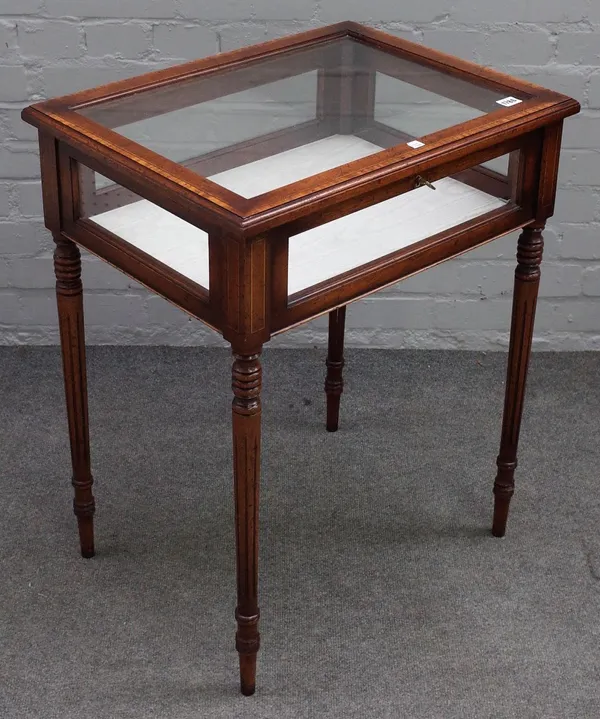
(228, 118)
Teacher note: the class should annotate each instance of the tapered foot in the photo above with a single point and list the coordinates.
(500, 517)
(333, 413)
(501, 507)
(86, 536)
(504, 488)
(248, 674)
(247, 643)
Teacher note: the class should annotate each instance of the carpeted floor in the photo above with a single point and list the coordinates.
(383, 594)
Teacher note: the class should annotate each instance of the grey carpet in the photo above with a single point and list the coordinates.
(382, 593)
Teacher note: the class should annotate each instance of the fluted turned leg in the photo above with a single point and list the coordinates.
(527, 280)
(334, 382)
(246, 383)
(69, 296)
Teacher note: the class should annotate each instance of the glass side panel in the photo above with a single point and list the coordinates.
(221, 121)
(144, 225)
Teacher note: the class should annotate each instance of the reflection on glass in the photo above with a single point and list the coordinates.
(218, 123)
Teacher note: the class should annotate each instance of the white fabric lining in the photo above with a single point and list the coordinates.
(323, 252)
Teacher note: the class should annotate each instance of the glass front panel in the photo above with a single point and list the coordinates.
(327, 251)
(352, 98)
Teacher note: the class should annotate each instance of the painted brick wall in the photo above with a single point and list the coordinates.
(50, 47)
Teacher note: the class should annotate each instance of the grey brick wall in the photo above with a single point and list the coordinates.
(50, 47)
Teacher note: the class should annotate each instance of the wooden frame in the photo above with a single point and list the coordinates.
(248, 238)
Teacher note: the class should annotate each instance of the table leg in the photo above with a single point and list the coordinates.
(334, 382)
(69, 296)
(527, 279)
(246, 384)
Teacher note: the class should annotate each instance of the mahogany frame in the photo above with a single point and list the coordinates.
(248, 300)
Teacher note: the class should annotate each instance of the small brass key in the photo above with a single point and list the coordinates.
(422, 182)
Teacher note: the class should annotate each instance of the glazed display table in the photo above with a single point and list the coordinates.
(261, 188)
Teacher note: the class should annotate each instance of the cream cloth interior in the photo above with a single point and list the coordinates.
(320, 253)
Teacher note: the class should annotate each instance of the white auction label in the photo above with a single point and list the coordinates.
(509, 101)
(415, 144)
